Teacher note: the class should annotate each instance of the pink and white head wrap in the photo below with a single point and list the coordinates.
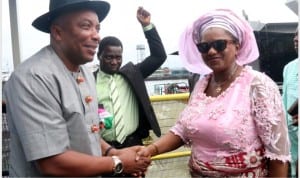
(222, 18)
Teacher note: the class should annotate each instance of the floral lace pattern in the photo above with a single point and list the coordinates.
(244, 164)
(246, 116)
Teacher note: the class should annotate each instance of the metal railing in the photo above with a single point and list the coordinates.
(179, 96)
(172, 164)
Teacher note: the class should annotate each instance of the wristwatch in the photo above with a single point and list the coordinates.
(118, 165)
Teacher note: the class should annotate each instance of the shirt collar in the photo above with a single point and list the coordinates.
(107, 76)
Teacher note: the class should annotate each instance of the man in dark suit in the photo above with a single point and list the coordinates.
(136, 111)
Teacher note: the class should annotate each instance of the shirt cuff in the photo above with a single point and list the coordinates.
(148, 27)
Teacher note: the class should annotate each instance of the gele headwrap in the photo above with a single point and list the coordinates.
(222, 18)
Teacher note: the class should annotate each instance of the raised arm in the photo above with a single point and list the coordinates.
(157, 52)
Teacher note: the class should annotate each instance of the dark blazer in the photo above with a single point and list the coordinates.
(135, 75)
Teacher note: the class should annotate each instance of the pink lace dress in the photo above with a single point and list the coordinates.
(233, 134)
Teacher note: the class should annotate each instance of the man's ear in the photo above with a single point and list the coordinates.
(56, 32)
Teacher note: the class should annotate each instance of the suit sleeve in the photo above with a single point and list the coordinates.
(157, 54)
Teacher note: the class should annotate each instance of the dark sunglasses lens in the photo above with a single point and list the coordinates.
(203, 47)
(219, 45)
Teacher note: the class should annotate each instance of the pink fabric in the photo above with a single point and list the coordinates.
(243, 164)
(248, 115)
(224, 18)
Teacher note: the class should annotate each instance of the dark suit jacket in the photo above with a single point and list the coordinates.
(135, 75)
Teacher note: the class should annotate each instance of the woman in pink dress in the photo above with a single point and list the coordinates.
(234, 121)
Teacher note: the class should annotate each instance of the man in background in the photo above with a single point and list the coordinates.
(290, 94)
(132, 110)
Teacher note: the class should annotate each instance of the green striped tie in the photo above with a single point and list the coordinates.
(118, 117)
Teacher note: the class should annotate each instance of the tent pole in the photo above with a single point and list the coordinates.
(13, 14)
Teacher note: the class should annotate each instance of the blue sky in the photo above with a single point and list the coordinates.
(169, 16)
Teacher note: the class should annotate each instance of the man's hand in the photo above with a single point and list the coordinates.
(131, 165)
(295, 120)
(143, 16)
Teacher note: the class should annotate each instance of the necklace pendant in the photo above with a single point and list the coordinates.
(218, 89)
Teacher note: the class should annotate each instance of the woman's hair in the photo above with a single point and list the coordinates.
(108, 41)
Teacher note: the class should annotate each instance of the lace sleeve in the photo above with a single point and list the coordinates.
(269, 117)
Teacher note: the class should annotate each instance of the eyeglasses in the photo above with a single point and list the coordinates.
(218, 45)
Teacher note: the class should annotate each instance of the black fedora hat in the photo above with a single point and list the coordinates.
(57, 7)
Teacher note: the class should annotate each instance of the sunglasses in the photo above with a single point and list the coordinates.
(218, 45)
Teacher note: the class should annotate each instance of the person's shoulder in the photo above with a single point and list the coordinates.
(128, 66)
(292, 63)
(42, 63)
(254, 72)
(30, 62)
(261, 78)
(26, 70)
(263, 84)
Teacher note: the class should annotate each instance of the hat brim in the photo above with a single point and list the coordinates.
(44, 21)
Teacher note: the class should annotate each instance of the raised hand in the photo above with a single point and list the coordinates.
(143, 16)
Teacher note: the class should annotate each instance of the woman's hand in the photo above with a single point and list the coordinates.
(132, 165)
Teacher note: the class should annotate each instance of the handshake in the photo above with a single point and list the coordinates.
(134, 160)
